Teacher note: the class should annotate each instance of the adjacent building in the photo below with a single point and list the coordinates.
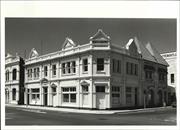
(171, 59)
(14, 79)
(97, 75)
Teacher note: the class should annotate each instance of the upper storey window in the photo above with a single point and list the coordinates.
(63, 68)
(36, 73)
(73, 67)
(161, 77)
(29, 73)
(69, 67)
(116, 66)
(45, 71)
(172, 78)
(14, 74)
(54, 70)
(131, 68)
(85, 65)
(162, 74)
(149, 74)
(100, 64)
(7, 75)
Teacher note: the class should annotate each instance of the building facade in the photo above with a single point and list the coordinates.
(171, 59)
(97, 75)
(14, 76)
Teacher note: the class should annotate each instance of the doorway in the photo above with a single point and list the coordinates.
(45, 96)
(7, 96)
(136, 97)
(100, 97)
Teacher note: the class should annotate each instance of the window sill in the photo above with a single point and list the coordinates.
(85, 72)
(54, 76)
(101, 72)
(70, 74)
(73, 103)
(36, 78)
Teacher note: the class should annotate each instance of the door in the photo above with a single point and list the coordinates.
(85, 99)
(100, 97)
(45, 96)
(100, 101)
(160, 100)
(151, 98)
(7, 96)
(53, 89)
(136, 97)
(28, 99)
(53, 100)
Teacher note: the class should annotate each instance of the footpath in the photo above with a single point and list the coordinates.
(88, 111)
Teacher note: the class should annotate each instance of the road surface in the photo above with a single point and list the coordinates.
(24, 116)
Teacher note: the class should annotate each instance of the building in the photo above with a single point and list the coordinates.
(14, 76)
(97, 75)
(171, 59)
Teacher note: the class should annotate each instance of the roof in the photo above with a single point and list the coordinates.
(147, 51)
(156, 55)
(143, 50)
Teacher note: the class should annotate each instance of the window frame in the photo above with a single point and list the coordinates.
(100, 66)
(54, 69)
(69, 91)
(172, 76)
(85, 65)
(99, 88)
(14, 74)
(45, 71)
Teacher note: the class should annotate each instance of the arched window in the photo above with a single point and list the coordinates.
(7, 75)
(14, 74)
(13, 94)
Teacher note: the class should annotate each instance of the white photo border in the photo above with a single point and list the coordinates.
(91, 9)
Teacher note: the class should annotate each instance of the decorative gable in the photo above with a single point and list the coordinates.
(100, 37)
(68, 43)
(133, 47)
(33, 53)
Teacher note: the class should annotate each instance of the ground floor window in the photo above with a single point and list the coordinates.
(69, 94)
(65, 97)
(100, 89)
(128, 95)
(115, 98)
(72, 97)
(35, 94)
(115, 94)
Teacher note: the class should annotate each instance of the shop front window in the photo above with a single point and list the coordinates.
(69, 94)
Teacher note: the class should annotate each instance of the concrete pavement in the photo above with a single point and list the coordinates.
(89, 111)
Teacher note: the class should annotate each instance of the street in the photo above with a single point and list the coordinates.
(24, 116)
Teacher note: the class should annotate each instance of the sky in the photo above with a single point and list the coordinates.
(47, 35)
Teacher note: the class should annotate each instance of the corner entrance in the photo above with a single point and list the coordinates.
(100, 97)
